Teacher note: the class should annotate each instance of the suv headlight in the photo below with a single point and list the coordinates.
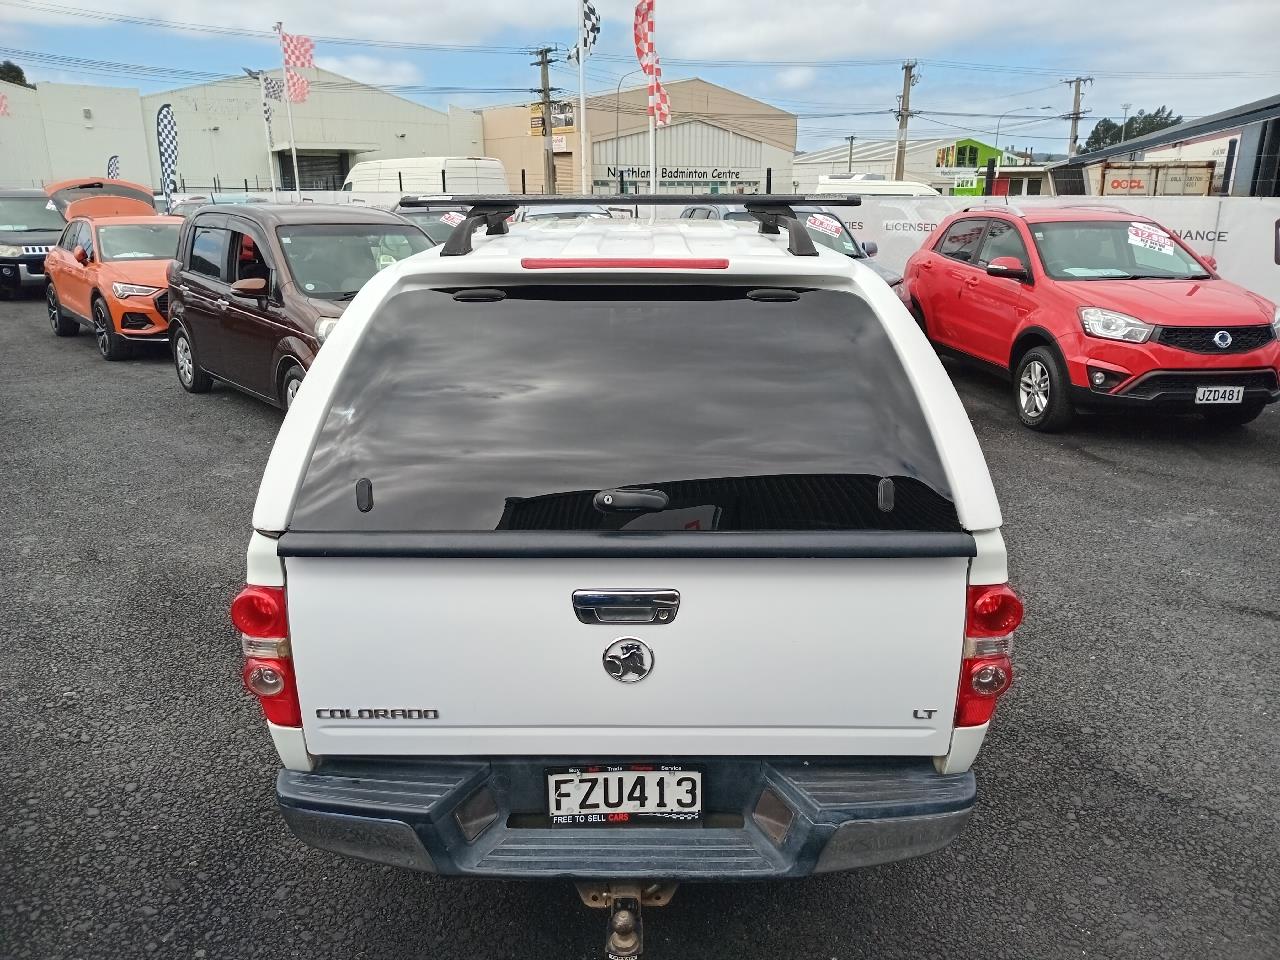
(9, 251)
(1110, 325)
(325, 327)
(126, 290)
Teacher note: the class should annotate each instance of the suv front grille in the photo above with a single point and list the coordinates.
(1200, 339)
(1184, 383)
(162, 304)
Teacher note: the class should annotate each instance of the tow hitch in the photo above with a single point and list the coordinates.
(625, 937)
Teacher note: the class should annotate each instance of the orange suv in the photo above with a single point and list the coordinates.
(108, 270)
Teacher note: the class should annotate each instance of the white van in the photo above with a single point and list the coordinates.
(463, 175)
(873, 187)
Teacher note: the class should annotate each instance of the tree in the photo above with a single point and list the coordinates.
(13, 73)
(1107, 132)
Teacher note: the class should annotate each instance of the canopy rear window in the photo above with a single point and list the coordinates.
(752, 410)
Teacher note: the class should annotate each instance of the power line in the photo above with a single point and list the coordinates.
(80, 13)
(141, 71)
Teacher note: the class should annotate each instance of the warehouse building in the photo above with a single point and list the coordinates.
(718, 141)
(56, 131)
(1240, 147)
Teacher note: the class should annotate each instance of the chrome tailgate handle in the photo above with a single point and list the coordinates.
(626, 606)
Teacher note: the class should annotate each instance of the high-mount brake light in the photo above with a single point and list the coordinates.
(624, 263)
(992, 613)
(260, 614)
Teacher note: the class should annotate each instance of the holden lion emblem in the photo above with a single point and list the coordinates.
(1222, 339)
(628, 660)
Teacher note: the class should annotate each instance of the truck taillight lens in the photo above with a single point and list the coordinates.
(994, 611)
(259, 613)
(271, 681)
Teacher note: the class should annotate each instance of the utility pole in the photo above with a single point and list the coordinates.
(548, 156)
(1124, 125)
(909, 79)
(851, 138)
(1073, 143)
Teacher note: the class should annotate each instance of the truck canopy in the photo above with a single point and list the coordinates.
(751, 409)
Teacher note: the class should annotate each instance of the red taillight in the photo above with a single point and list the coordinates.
(625, 263)
(271, 681)
(259, 613)
(994, 611)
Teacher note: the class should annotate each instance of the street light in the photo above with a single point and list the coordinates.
(1000, 149)
(617, 121)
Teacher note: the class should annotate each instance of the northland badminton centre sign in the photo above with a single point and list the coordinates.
(675, 173)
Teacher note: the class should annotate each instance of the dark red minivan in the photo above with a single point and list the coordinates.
(256, 288)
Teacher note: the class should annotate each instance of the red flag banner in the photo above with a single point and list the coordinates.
(642, 30)
(296, 87)
(299, 51)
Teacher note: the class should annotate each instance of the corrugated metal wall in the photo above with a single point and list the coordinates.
(695, 155)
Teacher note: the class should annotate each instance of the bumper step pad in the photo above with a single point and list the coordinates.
(838, 815)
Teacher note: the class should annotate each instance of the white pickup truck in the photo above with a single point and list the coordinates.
(631, 553)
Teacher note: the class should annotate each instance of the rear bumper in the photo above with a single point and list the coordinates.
(832, 816)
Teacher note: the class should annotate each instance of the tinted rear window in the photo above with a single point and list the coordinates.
(750, 414)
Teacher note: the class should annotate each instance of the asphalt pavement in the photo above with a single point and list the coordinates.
(1127, 794)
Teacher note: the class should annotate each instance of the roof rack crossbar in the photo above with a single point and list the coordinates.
(654, 199)
(773, 216)
(772, 210)
(493, 217)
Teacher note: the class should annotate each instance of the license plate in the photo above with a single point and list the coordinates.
(615, 795)
(1219, 394)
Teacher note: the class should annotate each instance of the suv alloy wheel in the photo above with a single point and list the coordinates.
(1040, 391)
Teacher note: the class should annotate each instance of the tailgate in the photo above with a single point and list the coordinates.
(763, 657)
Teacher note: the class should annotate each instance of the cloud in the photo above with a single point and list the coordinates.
(373, 70)
(795, 78)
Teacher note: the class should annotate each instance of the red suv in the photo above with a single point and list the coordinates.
(1094, 308)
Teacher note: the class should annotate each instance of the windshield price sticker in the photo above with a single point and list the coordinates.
(452, 219)
(1151, 237)
(824, 224)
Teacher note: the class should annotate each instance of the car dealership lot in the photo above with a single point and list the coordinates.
(1126, 797)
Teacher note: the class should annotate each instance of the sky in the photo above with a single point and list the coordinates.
(835, 63)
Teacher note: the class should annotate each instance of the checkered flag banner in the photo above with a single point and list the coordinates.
(4, 105)
(167, 139)
(642, 31)
(589, 33)
(113, 167)
(272, 89)
(299, 51)
(659, 103)
(647, 54)
(296, 87)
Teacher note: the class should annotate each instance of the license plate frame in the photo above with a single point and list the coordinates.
(1213, 395)
(568, 809)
